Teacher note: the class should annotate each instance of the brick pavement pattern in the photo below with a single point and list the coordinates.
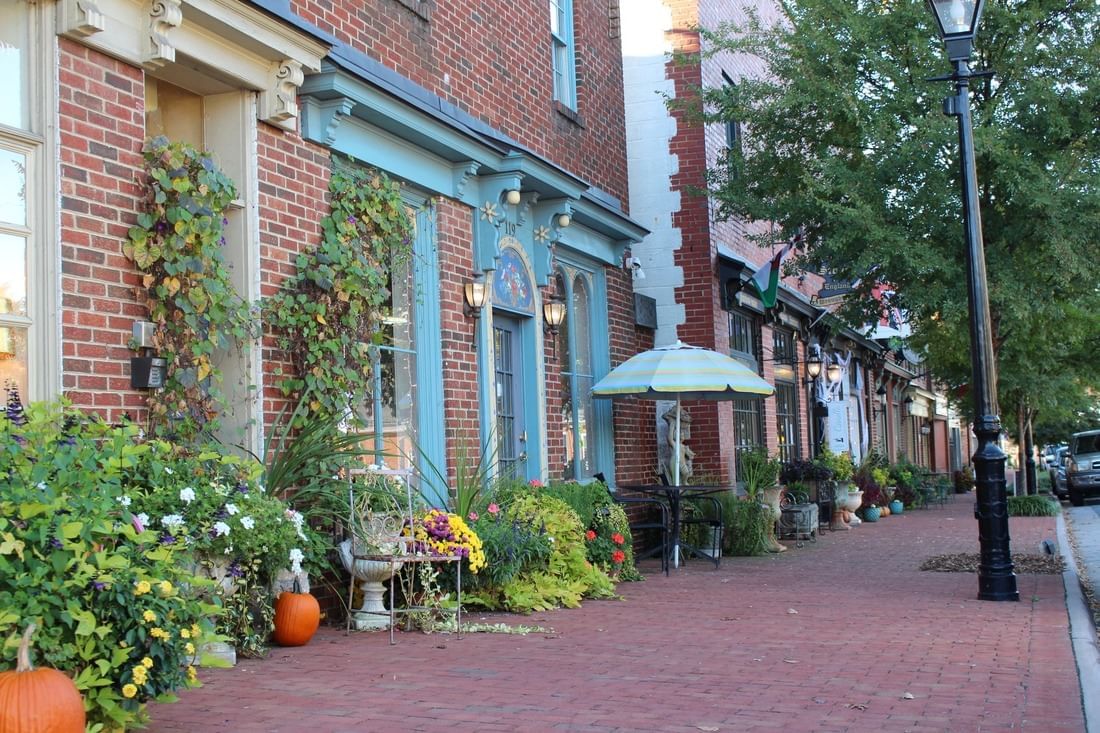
(827, 637)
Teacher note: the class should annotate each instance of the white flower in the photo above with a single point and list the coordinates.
(42, 486)
(144, 519)
(297, 518)
(231, 509)
(248, 522)
(171, 520)
(296, 558)
(221, 529)
(168, 471)
(187, 495)
(124, 500)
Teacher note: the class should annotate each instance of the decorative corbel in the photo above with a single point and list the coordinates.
(550, 218)
(490, 217)
(82, 18)
(461, 173)
(279, 103)
(321, 118)
(164, 15)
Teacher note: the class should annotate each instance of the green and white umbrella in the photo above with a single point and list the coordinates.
(681, 372)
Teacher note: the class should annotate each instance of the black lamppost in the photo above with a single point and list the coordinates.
(958, 21)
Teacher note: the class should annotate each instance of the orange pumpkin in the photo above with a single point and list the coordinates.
(38, 700)
(297, 616)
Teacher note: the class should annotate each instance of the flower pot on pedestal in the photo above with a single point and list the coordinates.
(371, 574)
(771, 498)
(840, 507)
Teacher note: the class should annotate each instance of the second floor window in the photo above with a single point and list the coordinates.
(561, 35)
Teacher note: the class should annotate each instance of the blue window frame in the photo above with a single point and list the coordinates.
(564, 63)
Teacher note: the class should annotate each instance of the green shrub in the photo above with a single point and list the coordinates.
(565, 577)
(1032, 506)
(106, 597)
(608, 542)
(747, 526)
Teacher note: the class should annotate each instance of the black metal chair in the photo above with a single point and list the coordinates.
(645, 523)
(706, 512)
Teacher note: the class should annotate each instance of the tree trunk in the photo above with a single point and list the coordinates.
(1029, 446)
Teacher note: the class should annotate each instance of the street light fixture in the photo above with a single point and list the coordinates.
(958, 22)
(813, 363)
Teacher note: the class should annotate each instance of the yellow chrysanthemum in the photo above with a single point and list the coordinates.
(195, 630)
(190, 648)
(149, 616)
(158, 633)
(139, 674)
(129, 690)
(165, 587)
(147, 663)
(185, 633)
(142, 588)
(192, 675)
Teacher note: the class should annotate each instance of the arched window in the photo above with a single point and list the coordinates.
(577, 377)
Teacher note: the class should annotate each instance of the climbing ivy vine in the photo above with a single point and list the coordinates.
(329, 314)
(177, 245)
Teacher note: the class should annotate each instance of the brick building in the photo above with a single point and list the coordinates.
(697, 267)
(503, 124)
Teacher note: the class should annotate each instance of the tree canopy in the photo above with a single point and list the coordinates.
(845, 139)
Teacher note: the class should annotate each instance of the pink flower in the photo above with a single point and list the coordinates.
(590, 535)
(493, 509)
(618, 539)
(472, 516)
(535, 482)
(138, 526)
(618, 556)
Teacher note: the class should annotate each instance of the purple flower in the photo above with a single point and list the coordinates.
(14, 408)
(235, 569)
(352, 220)
(98, 585)
(55, 543)
(167, 539)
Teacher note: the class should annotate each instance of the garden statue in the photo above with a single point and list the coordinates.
(686, 454)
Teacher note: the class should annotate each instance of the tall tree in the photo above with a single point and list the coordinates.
(846, 140)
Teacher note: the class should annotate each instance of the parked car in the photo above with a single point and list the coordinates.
(1083, 466)
(1057, 472)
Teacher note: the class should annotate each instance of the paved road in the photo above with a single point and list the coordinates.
(843, 635)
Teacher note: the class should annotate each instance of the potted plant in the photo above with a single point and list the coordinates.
(760, 480)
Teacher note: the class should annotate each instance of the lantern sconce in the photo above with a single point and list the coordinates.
(553, 313)
(476, 292)
(833, 373)
(813, 363)
(880, 395)
(925, 429)
(908, 403)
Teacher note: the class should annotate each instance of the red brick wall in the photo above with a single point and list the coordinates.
(460, 377)
(101, 121)
(492, 59)
(293, 178)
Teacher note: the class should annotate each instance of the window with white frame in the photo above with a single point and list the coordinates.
(577, 376)
(27, 338)
(564, 64)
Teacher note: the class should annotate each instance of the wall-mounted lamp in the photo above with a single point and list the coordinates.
(813, 363)
(908, 404)
(880, 395)
(564, 220)
(512, 197)
(833, 373)
(925, 429)
(634, 265)
(553, 313)
(476, 291)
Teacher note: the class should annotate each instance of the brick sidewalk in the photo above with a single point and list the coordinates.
(705, 649)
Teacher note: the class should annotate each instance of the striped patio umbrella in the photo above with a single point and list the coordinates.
(681, 372)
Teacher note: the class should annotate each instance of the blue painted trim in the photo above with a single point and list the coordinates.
(431, 433)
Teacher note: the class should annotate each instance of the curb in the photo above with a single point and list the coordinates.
(1082, 633)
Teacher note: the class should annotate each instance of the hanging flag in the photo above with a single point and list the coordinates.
(766, 279)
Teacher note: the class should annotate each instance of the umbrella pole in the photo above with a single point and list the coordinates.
(675, 500)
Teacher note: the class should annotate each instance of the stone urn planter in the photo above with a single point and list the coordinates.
(840, 506)
(772, 498)
(371, 574)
